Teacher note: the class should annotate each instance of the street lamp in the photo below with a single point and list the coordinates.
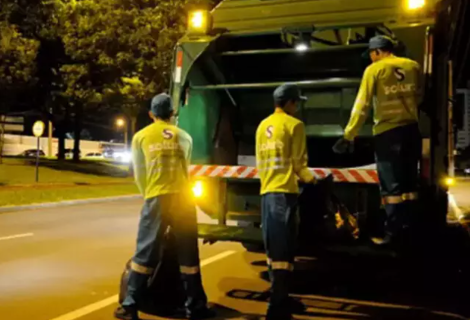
(121, 123)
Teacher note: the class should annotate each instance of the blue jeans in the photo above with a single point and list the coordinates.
(397, 155)
(158, 214)
(279, 224)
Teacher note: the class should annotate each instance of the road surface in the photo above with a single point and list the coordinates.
(65, 264)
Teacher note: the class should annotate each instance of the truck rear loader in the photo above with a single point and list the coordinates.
(232, 58)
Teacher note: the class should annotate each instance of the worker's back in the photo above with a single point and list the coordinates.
(165, 151)
(397, 92)
(274, 139)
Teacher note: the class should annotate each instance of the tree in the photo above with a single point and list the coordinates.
(128, 43)
(17, 67)
(81, 94)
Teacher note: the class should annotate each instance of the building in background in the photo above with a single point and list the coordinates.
(463, 134)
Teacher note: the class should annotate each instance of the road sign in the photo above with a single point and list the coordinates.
(38, 128)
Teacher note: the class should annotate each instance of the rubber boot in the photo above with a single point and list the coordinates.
(279, 305)
(135, 288)
(196, 303)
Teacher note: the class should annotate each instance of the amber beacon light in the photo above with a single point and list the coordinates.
(199, 22)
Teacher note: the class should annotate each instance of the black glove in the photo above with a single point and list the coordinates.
(342, 146)
(329, 179)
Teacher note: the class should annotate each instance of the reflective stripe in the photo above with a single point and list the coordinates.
(141, 269)
(277, 159)
(278, 265)
(189, 270)
(271, 168)
(392, 200)
(411, 196)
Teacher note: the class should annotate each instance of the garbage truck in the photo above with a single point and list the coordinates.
(232, 58)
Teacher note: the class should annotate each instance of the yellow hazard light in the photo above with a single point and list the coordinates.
(198, 189)
(416, 4)
(199, 22)
(450, 181)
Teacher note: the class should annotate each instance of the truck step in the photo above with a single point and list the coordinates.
(211, 232)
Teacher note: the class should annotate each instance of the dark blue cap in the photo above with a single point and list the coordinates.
(287, 92)
(161, 105)
(380, 42)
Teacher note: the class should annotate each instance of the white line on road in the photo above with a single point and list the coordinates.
(457, 212)
(111, 300)
(16, 236)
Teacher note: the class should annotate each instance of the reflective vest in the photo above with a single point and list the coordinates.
(161, 153)
(281, 154)
(393, 87)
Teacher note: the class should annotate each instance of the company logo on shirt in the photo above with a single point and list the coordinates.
(167, 134)
(399, 74)
(269, 132)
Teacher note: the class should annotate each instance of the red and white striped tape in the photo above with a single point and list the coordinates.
(352, 175)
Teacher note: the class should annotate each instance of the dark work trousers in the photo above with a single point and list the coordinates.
(178, 212)
(397, 156)
(280, 224)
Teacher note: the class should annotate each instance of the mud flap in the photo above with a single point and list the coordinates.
(165, 292)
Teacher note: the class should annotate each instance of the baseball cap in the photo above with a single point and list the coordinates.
(161, 105)
(379, 42)
(286, 92)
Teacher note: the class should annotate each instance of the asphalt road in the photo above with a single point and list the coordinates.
(65, 264)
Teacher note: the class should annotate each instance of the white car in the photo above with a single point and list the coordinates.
(94, 156)
(123, 157)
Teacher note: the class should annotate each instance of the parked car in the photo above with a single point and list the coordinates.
(94, 156)
(32, 153)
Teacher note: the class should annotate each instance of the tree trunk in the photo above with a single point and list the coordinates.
(129, 142)
(61, 140)
(2, 137)
(77, 132)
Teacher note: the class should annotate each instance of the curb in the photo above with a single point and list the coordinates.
(67, 203)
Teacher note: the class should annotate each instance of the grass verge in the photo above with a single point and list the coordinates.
(16, 197)
(61, 181)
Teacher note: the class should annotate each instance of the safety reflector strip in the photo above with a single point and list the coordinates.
(351, 175)
(189, 270)
(141, 269)
(179, 66)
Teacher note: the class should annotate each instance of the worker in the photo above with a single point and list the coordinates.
(391, 85)
(281, 156)
(161, 153)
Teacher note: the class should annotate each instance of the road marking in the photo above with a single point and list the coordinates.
(114, 299)
(458, 213)
(16, 236)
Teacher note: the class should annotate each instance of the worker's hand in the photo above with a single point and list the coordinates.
(343, 145)
(329, 179)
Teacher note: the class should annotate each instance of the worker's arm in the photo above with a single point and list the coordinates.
(420, 79)
(361, 106)
(299, 154)
(138, 161)
(186, 144)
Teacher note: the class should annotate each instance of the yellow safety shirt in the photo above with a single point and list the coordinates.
(161, 154)
(393, 86)
(281, 154)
